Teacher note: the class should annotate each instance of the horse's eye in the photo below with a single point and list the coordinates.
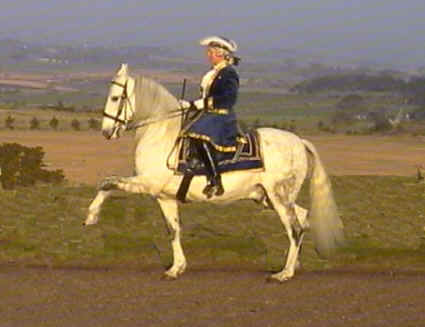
(115, 98)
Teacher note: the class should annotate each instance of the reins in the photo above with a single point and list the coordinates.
(174, 114)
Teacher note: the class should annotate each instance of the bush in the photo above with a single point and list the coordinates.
(292, 126)
(54, 123)
(257, 124)
(321, 126)
(94, 124)
(34, 123)
(24, 166)
(9, 122)
(75, 124)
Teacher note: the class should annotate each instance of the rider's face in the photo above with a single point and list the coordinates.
(213, 57)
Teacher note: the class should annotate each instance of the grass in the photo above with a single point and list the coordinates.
(383, 219)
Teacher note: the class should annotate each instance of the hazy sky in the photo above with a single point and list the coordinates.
(392, 29)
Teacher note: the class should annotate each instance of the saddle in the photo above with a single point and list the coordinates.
(247, 156)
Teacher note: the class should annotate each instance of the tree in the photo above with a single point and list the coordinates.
(9, 122)
(60, 105)
(94, 124)
(34, 123)
(54, 123)
(75, 124)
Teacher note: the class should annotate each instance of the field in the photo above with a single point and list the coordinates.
(55, 272)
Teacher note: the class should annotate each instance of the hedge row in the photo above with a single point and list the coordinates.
(34, 123)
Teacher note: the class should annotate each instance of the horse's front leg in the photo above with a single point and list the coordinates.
(169, 210)
(95, 206)
(105, 189)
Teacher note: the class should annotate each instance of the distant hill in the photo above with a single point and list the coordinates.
(15, 51)
(278, 69)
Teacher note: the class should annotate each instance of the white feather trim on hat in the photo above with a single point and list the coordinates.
(221, 42)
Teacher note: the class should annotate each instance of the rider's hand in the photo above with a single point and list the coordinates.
(184, 104)
(199, 104)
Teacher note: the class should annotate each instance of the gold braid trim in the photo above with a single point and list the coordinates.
(208, 139)
(209, 107)
(209, 103)
(219, 111)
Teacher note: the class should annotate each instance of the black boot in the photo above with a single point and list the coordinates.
(214, 186)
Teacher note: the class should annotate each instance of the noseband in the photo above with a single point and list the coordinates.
(124, 97)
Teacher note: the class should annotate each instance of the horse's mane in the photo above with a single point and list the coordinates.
(152, 99)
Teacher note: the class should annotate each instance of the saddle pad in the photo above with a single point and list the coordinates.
(247, 156)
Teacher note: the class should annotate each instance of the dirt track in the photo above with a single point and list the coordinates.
(208, 297)
(42, 297)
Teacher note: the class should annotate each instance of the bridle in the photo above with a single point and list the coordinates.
(124, 99)
(126, 122)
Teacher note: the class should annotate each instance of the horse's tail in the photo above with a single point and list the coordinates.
(326, 225)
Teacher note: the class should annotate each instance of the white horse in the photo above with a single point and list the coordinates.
(143, 104)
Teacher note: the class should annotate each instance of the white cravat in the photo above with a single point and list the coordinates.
(206, 79)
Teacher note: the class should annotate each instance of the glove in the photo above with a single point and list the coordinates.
(198, 104)
(184, 104)
(192, 105)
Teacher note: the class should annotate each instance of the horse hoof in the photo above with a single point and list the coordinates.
(168, 278)
(271, 279)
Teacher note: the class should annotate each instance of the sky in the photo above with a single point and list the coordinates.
(389, 30)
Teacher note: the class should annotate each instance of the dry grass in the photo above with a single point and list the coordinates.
(86, 157)
(383, 214)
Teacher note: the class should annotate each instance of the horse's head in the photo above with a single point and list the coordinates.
(120, 104)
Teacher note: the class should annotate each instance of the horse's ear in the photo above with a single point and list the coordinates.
(123, 69)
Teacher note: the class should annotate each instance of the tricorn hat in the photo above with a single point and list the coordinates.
(220, 42)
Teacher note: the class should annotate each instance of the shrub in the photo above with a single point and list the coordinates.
(34, 123)
(257, 123)
(24, 166)
(292, 126)
(9, 122)
(54, 123)
(94, 124)
(75, 124)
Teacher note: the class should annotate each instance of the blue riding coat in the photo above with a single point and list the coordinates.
(217, 123)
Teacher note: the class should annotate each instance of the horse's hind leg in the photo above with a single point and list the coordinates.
(169, 210)
(301, 214)
(288, 215)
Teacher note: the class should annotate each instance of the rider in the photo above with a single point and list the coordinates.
(215, 129)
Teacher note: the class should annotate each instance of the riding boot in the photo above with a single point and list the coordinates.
(214, 186)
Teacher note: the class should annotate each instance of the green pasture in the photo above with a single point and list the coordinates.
(257, 106)
(42, 225)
